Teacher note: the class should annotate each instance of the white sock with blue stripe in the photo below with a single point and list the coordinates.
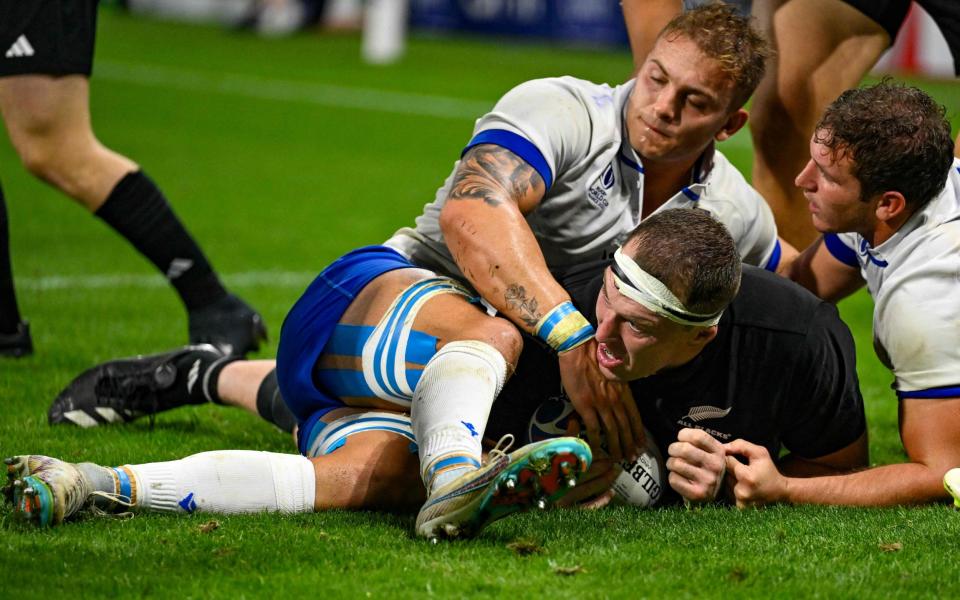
(225, 482)
(450, 408)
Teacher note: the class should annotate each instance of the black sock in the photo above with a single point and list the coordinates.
(271, 406)
(137, 209)
(199, 373)
(9, 312)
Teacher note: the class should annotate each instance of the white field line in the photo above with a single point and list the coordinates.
(279, 279)
(281, 90)
(335, 96)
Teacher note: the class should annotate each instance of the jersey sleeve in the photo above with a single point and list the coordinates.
(544, 122)
(917, 328)
(824, 412)
(842, 247)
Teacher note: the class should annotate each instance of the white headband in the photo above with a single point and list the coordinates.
(648, 291)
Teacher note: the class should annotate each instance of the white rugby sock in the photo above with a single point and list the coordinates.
(450, 408)
(226, 482)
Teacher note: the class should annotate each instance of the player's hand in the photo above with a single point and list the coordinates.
(757, 482)
(604, 405)
(697, 464)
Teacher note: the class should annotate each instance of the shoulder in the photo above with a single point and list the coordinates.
(553, 94)
(772, 302)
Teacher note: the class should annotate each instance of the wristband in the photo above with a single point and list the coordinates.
(564, 328)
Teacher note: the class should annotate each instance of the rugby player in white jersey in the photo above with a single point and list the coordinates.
(884, 189)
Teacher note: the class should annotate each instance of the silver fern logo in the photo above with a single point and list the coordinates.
(702, 413)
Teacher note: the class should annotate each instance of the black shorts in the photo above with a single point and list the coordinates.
(47, 37)
(890, 15)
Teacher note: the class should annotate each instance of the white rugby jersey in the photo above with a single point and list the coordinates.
(914, 279)
(573, 133)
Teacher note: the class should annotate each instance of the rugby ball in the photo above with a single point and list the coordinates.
(640, 482)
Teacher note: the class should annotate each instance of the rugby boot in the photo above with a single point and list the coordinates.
(17, 344)
(229, 324)
(122, 390)
(45, 491)
(536, 475)
(951, 481)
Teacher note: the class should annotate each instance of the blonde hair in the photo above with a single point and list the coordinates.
(729, 39)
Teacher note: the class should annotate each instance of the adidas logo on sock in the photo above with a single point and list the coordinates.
(178, 267)
(193, 375)
(20, 48)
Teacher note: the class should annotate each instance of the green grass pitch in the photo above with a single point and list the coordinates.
(280, 155)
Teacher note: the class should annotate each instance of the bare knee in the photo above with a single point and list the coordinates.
(38, 158)
(499, 333)
(505, 337)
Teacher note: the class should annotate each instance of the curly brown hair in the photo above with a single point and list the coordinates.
(730, 39)
(897, 137)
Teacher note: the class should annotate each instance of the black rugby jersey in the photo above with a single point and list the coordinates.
(780, 373)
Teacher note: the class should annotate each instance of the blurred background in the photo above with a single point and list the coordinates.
(920, 48)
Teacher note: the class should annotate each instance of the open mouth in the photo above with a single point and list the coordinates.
(606, 358)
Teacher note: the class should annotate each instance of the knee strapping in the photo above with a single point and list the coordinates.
(333, 435)
(385, 351)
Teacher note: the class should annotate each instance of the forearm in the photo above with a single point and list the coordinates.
(889, 485)
(818, 271)
(797, 467)
(484, 227)
(499, 255)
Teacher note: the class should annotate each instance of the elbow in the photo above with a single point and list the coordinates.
(455, 224)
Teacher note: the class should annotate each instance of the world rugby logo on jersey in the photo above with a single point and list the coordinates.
(600, 188)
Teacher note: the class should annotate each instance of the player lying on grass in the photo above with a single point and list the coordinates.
(371, 332)
(775, 366)
(884, 189)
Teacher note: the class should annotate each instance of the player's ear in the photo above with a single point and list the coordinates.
(734, 123)
(891, 205)
(704, 335)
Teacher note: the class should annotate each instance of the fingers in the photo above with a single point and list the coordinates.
(754, 484)
(735, 467)
(591, 423)
(697, 464)
(599, 501)
(612, 430)
(598, 480)
(745, 449)
(636, 422)
(700, 439)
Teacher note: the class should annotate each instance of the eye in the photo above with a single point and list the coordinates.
(635, 328)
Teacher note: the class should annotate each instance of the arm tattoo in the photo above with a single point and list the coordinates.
(516, 297)
(493, 174)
